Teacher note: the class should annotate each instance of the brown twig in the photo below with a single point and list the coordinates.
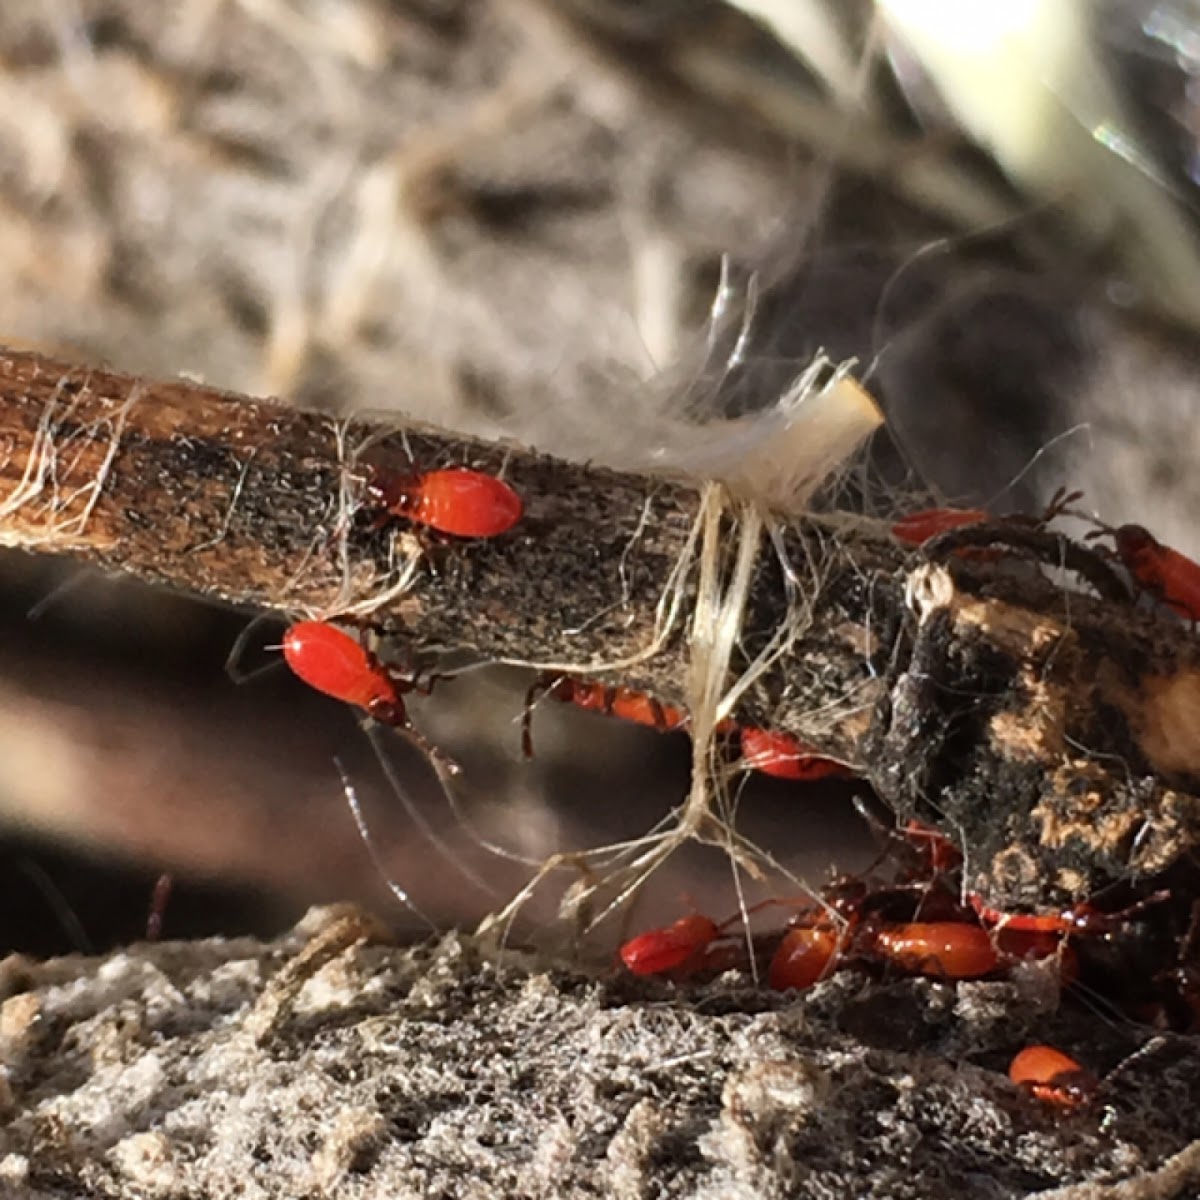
(261, 506)
(1050, 731)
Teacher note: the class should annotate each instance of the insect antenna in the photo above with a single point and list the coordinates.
(237, 652)
(64, 913)
(412, 809)
(364, 832)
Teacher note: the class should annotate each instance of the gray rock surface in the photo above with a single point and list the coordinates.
(329, 1064)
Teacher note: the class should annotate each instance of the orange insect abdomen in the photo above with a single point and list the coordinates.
(1169, 575)
(463, 503)
(804, 957)
(661, 950)
(785, 757)
(918, 527)
(331, 661)
(950, 949)
(1052, 1076)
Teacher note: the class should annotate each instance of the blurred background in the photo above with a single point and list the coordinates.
(513, 217)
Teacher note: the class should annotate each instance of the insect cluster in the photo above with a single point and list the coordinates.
(918, 920)
(468, 504)
(455, 502)
(776, 754)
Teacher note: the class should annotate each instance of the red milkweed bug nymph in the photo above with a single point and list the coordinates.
(785, 757)
(658, 951)
(1168, 575)
(805, 956)
(455, 500)
(947, 950)
(776, 754)
(621, 702)
(333, 662)
(942, 949)
(917, 528)
(626, 703)
(1081, 918)
(1052, 1076)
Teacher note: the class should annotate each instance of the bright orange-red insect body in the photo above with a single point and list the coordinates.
(1052, 1076)
(660, 950)
(1083, 918)
(806, 955)
(777, 754)
(944, 949)
(1020, 945)
(1062, 922)
(917, 528)
(1028, 943)
(621, 702)
(1169, 576)
(785, 757)
(626, 703)
(331, 661)
(456, 500)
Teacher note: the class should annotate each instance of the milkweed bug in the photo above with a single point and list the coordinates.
(917, 528)
(1168, 575)
(1083, 918)
(785, 757)
(805, 956)
(621, 702)
(1066, 921)
(778, 754)
(944, 949)
(658, 951)
(1052, 1076)
(456, 500)
(329, 660)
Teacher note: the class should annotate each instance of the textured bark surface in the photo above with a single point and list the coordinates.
(1051, 731)
(323, 1064)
